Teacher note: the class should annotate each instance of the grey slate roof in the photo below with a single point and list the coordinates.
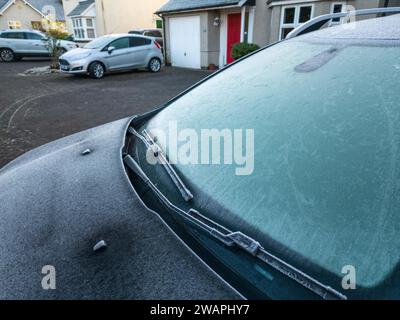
(181, 5)
(3, 3)
(80, 8)
(41, 5)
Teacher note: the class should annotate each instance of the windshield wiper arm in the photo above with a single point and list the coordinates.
(238, 239)
(159, 154)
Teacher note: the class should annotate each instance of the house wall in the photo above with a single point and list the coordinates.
(69, 5)
(19, 11)
(261, 23)
(266, 30)
(119, 16)
(212, 48)
(320, 7)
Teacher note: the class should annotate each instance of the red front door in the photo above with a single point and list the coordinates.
(234, 22)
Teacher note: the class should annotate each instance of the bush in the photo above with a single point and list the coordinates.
(55, 31)
(240, 50)
(58, 34)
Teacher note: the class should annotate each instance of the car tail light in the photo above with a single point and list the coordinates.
(157, 45)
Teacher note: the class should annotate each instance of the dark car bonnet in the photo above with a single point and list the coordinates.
(56, 204)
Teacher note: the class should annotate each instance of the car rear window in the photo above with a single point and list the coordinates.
(138, 41)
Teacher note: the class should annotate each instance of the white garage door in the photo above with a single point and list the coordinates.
(185, 42)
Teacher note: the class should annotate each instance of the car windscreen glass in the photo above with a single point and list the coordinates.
(98, 43)
(326, 160)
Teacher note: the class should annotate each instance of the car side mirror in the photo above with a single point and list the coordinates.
(110, 49)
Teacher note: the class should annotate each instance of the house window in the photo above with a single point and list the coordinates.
(14, 24)
(293, 16)
(37, 25)
(90, 28)
(337, 7)
(79, 33)
(84, 28)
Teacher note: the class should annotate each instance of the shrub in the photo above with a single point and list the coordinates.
(240, 50)
(55, 31)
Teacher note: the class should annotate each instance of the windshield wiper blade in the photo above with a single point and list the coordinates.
(239, 240)
(159, 154)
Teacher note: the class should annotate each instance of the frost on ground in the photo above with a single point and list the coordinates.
(39, 71)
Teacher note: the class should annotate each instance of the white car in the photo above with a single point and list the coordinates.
(17, 44)
(113, 52)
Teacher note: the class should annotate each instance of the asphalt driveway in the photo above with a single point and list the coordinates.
(35, 110)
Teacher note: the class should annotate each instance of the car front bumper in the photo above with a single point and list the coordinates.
(73, 67)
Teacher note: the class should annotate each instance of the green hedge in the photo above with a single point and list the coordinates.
(240, 50)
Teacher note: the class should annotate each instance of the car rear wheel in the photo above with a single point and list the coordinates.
(7, 55)
(96, 70)
(154, 65)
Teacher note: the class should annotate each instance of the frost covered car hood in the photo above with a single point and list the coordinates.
(76, 52)
(56, 205)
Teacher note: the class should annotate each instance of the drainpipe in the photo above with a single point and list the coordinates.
(385, 5)
(103, 18)
(242, 23)
(164, 38)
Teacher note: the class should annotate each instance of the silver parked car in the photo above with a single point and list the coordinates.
(113, 53)
(17, 44)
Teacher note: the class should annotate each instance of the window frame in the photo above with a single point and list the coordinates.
(296, 18)
(333, 4)
(14, 24)
(80, 28)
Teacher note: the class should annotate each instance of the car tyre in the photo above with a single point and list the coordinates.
(7, 55)
(96, 70)
(154, 65)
